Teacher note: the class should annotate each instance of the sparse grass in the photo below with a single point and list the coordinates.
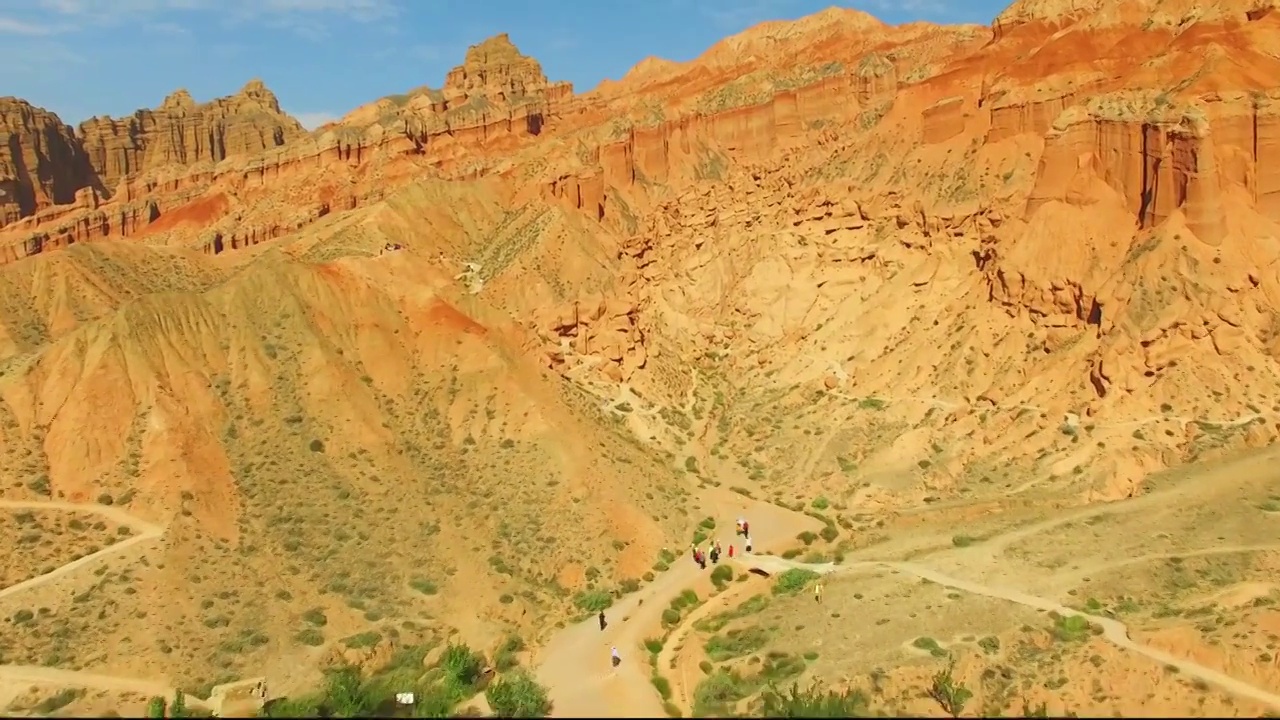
(793, 580)
(930, 646)
(1073, 628)
(43, 540)
(715, 623)
(736, 643)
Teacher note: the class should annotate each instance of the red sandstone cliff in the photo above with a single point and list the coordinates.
(41, 161)
(937, 85)
(183, 132)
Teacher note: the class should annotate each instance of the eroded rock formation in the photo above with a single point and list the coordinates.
(41, 162)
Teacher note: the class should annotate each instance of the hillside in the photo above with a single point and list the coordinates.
(456, 361)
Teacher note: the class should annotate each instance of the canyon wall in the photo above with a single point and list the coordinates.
(42, 163)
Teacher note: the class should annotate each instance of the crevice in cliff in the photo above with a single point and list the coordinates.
(1150, 175)
(1254, 138)
(23, 189)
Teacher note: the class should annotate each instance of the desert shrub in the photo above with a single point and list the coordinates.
(814, 702)
(793, 581)
(518, 695)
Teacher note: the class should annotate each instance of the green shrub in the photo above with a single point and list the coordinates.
(721, 576)
(462, 667)
(593, 601)
(813, 703)
(793, 581)
(518, 695)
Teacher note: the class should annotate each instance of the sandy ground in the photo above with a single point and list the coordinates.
(575, 665)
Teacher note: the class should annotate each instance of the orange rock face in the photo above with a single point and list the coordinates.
(1062, 163)
(185, 133)
(41, 161)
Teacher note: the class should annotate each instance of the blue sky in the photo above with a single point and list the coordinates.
(322, 58)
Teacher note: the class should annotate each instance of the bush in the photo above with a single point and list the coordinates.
(736, 643)
(793, 581)
(310, 636)
(344, 693)
(315, 616)
(505, 658)
(462, 666)
(662, 685)
(424, 586)
(813, 703)
(518, 695)
(593, 601)
(722, 575)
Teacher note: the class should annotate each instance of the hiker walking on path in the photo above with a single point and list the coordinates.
(817, 591)
(615, 658)
(730, 552)
(602, 621)
(748, 543)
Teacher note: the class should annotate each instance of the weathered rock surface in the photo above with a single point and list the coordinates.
(182, 132)
(1057, 160)
(41, 162)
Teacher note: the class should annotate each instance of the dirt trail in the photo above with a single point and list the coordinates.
(575, 664)
(35, 675)
(143, 531)
(1114, 630)
(30, 675)
(683, 682)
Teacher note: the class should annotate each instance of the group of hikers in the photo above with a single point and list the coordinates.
(700, 557)
(713, 550)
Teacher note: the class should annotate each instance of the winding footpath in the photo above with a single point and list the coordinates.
(56, 677)
(575, 664)
(579, 691)
(142, 532)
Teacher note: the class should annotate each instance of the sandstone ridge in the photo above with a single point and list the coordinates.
(46, 166)
(453, 365)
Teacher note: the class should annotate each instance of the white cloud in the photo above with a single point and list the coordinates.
(313, 120)
(739, 14)
(11, 26)
(309, 18)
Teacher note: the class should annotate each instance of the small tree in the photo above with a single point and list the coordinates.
(344, 693)
(463, 668)
(816, 702)
(179, 707)
(433, 702)
(518, 695)
(950, 695)
(156, 707)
